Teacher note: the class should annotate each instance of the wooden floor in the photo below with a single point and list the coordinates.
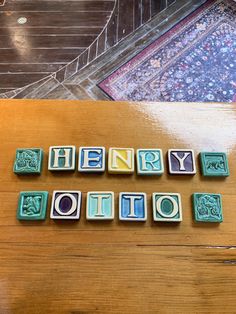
(86, 267)
(56, 32)
(61, 37)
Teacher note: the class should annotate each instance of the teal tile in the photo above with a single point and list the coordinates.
(214, 164)
(167, 207)
(32, 205)
(28, 161)
(100, 206)
(149, 161)
(207, 207)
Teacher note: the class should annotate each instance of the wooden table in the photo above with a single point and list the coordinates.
(97, 267)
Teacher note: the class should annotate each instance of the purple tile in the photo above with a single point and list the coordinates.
(181, 161)
(66, 205)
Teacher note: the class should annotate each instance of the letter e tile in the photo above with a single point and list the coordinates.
(91, 159)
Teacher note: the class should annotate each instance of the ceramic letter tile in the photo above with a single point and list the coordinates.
(28, 161)
(214, 164)
(100, 206)
(167, 207)
(61, 158)
(207, 207)
(121, 160)
(149, 162)
(132, 206)
(181, 161)
(66, 205)
(91, 159)
(32, 205)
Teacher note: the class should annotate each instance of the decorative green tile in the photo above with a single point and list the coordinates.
(28, 160)
(32, 205)
(207, 207)
(214, 164)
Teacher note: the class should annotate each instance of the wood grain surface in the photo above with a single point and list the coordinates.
(116, 267)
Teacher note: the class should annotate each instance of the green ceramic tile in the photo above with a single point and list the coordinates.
(214, 164)
(207, 207)
(32, 205)
(167, 207)
(28, 161)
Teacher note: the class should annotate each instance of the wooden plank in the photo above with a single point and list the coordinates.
(57, 5)
(47, 41)
(74, 278)
(125, 21)
(40, 55)
(61, 19)
(58, 31)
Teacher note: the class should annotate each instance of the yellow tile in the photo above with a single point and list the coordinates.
(121, 160)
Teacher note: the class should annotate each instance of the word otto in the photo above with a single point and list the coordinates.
(166, 207)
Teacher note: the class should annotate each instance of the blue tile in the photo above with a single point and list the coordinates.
(91, 159)
(132, 206)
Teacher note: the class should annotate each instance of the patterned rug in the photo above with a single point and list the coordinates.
(195, 61)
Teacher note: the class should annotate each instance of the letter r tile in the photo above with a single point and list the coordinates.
(66, 205)
(100, 206)
(61, 158)
(132, 206)
(149, 161)
(181, 161)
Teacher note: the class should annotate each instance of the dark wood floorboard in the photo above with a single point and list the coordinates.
(58, 5)
(55, 33)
